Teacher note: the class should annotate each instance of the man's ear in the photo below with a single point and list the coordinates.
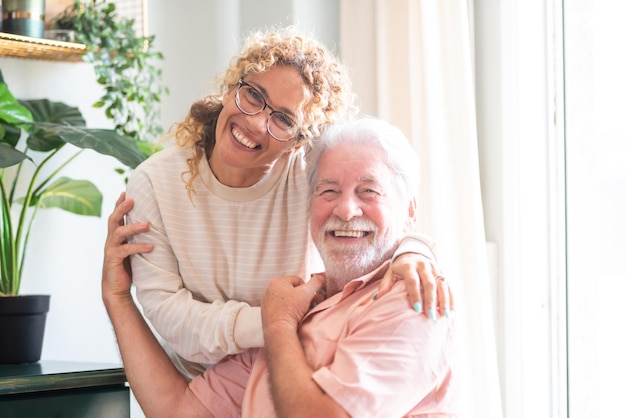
(411, 220)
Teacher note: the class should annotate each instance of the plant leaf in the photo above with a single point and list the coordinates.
(11, 134)
(10, 156)
(81, 197)
(104, 141)
(43, 110)
(11, 111)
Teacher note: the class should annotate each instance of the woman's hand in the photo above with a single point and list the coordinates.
(427, 288)
(116, 272)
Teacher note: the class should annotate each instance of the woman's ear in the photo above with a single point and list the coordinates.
(292, 148)
(298, 145)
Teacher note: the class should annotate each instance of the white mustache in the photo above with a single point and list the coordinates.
(336, 224)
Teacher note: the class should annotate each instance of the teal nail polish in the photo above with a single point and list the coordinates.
(431, 314)
(375, 296)
(418, 307)
(446, 313)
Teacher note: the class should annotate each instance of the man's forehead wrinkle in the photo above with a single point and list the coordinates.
(325, 182)
(361, 180)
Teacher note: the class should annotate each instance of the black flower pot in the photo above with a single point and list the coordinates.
(22, 325)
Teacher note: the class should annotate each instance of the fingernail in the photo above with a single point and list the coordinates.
(418, 307)
(313, 304)
(375, 296)
(431, 314)
(446, 313)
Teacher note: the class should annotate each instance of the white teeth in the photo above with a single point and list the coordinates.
(351, 234)
(243, 140)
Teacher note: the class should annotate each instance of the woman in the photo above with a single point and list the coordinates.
(226, 207)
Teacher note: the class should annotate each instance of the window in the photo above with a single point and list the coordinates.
(130, 9)
(595, 138)
(551, 107)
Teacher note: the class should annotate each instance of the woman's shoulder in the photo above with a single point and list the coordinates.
(169, 156)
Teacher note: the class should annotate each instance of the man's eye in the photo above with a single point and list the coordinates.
(370, 192)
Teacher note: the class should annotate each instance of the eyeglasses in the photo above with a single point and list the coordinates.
(250, 102)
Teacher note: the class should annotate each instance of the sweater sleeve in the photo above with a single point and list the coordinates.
(416, 243)
(197, 330)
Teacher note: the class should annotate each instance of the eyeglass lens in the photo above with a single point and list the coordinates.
(251, 102)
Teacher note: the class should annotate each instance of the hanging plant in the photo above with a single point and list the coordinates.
(125, 64)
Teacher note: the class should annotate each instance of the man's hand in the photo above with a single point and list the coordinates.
(427, 288)
(116, 273)
(288, 299)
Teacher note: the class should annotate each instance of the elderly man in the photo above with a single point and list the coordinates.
(345, 354)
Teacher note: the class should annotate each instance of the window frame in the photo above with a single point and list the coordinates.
(519, 92)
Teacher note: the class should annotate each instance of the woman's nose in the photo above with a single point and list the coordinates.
(260, 120)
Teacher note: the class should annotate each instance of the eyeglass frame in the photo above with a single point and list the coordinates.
(265, 105)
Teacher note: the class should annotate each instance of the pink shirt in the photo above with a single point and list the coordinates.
(374, 358)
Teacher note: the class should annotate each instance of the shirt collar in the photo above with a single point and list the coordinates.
(351, 287)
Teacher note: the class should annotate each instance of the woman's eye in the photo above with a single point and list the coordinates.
(284, 121)
(254, 95)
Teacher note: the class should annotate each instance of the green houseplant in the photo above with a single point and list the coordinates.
(32, 133)
(125, 65)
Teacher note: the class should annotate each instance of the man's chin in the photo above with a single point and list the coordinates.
(347, 266)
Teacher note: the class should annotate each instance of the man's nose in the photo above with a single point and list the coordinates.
(347, 207)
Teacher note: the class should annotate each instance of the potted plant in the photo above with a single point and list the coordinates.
(32, 132)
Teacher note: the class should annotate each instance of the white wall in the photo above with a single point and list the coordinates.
(65, 254)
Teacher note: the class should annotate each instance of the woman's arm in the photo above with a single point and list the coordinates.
(157, 385)
(414, 261)
(197, 330)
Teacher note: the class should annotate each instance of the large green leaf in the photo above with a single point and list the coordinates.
(10, 134)
(10, 156)
(104, 141)
(43, 110)
(11, 111)
(77, 196)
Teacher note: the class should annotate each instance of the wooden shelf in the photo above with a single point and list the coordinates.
(38, 48)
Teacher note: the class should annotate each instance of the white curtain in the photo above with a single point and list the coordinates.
(412, 65)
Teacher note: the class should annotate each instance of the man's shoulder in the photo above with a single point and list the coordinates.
(395, 307)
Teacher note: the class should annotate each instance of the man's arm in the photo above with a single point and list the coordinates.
(294, 392)
(157, 385)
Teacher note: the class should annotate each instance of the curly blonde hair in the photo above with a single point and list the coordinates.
(330, 95)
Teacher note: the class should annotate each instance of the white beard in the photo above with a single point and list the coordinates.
(346, 262)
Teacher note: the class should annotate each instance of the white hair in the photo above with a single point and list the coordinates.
(402, 159)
